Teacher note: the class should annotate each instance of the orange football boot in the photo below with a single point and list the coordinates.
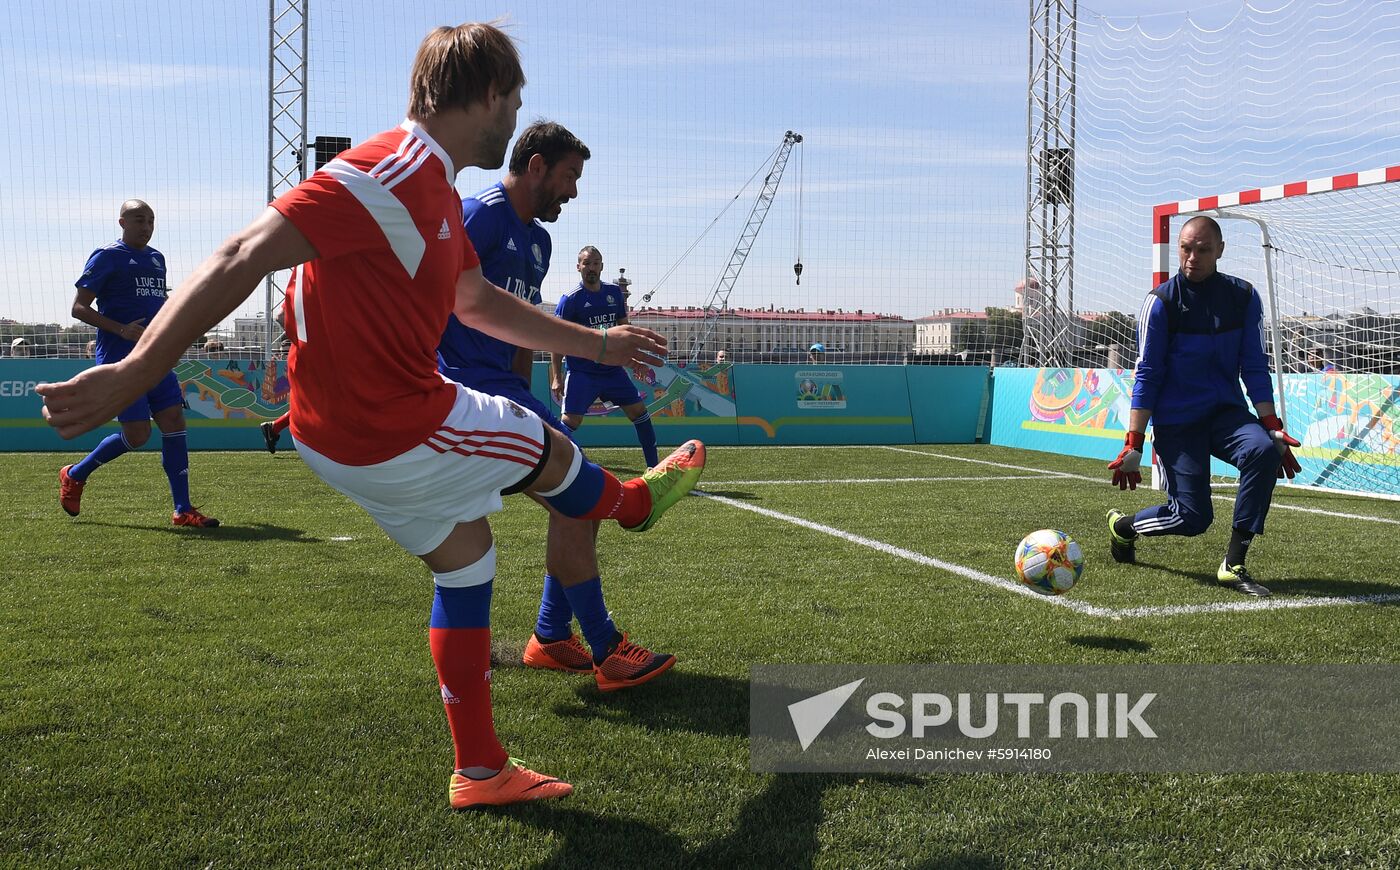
(628, 665)
(70, 492)
(193, 517)
(515, 784)
(568, 655)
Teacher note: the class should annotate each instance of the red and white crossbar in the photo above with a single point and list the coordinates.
(1162, 214)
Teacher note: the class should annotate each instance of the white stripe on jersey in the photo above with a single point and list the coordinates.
(402, 168)
(421, 135)
(390, 214)
(298, 305)
(1142, 325)
(491, 196)
(392, 158)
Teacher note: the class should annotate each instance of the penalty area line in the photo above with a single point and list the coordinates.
(1058, 600)
(1104, 480)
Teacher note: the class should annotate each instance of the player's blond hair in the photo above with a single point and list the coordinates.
(458, 66)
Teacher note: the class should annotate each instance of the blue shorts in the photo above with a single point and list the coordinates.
(166, 394)
(510, 386)
(580, 390)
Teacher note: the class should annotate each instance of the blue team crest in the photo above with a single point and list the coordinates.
(539, 254)
(610, 299)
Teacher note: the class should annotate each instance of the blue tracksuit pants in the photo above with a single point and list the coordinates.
(1230, 433)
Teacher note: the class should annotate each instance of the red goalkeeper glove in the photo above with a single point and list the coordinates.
(1285, 443)
(1127, 468)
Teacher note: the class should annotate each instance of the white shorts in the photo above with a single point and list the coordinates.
(485, 445)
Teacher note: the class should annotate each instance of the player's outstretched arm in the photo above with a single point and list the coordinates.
(484, 306)
(210, 294)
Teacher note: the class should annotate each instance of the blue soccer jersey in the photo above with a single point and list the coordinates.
(514, 256)
(597, 309)
(129, 285)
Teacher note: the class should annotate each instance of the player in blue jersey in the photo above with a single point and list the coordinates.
(1199, 335)
(503, 223)
(583, 381)
(127, 281)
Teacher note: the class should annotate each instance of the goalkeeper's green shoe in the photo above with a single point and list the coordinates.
(1122, 549)
(671, 479)
(1238, 579)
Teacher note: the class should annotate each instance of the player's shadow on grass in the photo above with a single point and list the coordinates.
(777, 827)
(1319, 587)
(1331, 588)
(241, 534)
(1112, 644)
(675, 701)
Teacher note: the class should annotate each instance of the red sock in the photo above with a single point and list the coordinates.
(281, 423)
(463, 659)
(629, 503)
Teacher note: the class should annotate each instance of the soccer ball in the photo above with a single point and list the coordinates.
(1049, 562)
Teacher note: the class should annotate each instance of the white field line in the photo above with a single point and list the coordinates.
(1105, 480)
(1070, 603)
(911, 556)
(982, 479)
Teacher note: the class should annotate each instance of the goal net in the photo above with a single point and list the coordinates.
(1325, 257)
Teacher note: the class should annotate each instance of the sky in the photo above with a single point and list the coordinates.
(907, 195)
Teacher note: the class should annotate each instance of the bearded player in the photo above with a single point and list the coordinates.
(504, 225)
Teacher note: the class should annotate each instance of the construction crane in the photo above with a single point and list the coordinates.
(719, 297)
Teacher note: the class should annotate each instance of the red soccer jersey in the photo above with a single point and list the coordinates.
(366, 317)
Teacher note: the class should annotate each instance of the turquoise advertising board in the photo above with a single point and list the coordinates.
(721, 404)
(1075, 412)
(948, 402)
(684, 403)
(227, 400)
(824, 405)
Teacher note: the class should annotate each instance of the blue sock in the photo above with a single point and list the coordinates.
(111, 447)
(175, 459)
(464, 607)
(587, 601)
(646, 436)
(581, 489)
(556, 615)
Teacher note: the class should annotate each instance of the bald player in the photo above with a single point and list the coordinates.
(127, 281)
(1199, 335)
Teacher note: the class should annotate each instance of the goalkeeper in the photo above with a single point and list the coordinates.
(1199, 334)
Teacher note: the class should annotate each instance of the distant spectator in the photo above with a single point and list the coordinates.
(213, 345)
(720, 358)
(90, 350)
(1317, 364)
(816, 353)
(20, 347)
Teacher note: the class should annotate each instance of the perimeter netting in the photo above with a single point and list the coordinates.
(1169, 109)
(911, 173)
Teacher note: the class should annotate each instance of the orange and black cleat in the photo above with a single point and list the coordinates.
(515, 784)
(70, 492)
(568, 655)
(629, 665)
(194, 519)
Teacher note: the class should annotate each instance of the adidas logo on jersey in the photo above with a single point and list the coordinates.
(510, 245)
(445, 232)
(448, 697)
(587, 304)
(132, 263)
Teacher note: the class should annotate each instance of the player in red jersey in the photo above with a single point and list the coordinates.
(387, 263)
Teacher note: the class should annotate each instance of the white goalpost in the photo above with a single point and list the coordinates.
(1325, 256)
